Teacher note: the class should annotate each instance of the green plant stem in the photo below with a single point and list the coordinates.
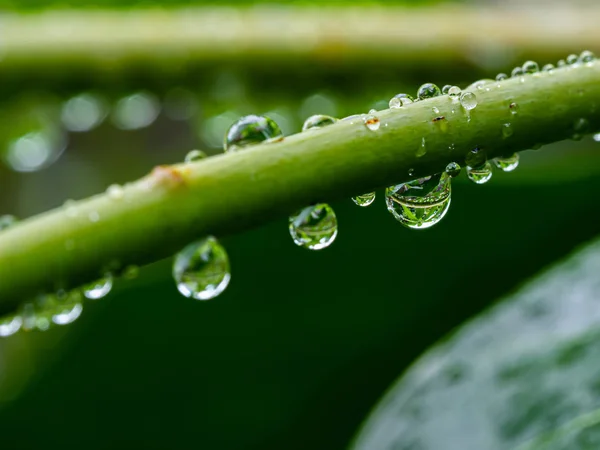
(229, 193)
(104, 40)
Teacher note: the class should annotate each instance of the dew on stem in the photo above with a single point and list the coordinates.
(194, 155)
(399, 100)
(428, 90)
(251, 130)
(507, 163)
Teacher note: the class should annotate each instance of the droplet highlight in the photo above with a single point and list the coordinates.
(99, 288)
(318, 121)
(399, 100)
(507, 164)
(314, 227)
(421, 203)
(480, 174)
(201, 270)
(468, 100)
(364, 199)
(453, 169)
(372, 122)
(9, 325)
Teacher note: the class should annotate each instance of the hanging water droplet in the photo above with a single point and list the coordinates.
(194, 155)
(501, 77)
(548, 68)
(318, 121)
(572, 59)
(507, 164)
(201, 270)
(428, 90)
(115, 192)
(372, 122)
(468, 100)
(507, 130)
(421, 203)
(251, 130)
(561, 63)
(364, 199)
(586, 57)
(480, 174)
(400, 100)
(514, 108)
(9, 325)
(516, 72)
(531, 67)
(580, 127)
(67, 307)
(7, 221)
(99, 288)
(422, 149)
(453, 169)
(314, 227)
(454, 93)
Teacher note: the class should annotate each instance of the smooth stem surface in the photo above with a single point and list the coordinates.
(229, 193)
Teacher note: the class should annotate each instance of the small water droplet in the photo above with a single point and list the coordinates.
(9, 325)
(428, 90)
(372, 122)
(99, 288)
(66, 307)
(548, 68)
(561, 63)
(115, 192)
(411, 172)
(435, 110)
(364, 199)
(7, 221)
(251, 130)
(572, 59)
(446, 88)
(586, 57)
(516, 72)
(314, 227)
(94, 216)
(480, 174)
(580, 127)
(421, 203)
(453, 169)
(531, 67)
(514, 108)
(507, 164)
(400, 100)
(454, 93)
(501, 77)
(318, 121)
(201, 270)
(596, 137)
(507, 130)
(194, 155)
(468, 100)
(422, 149)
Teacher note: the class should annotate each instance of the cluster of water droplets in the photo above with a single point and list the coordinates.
(58, 308)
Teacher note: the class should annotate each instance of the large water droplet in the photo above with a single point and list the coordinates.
(531, 67)
(480, 174)
(453, 169)
(318, 121)
(586, 57)
(468, 100)
(454, 93)
(507, 130)
(201, 270)
(99, 288)
(67, 307)
(507, 164)
(194, 155)
(251, 130)
(364, 199)
(314, 227)
(428, 90)
(421, 203)
(9, 325)
(7, 221)
(400, 100)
